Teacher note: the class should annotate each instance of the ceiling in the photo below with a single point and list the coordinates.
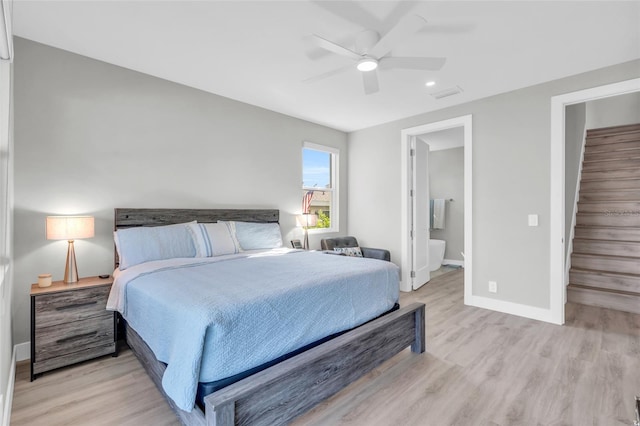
(444, 139)
(258, 51)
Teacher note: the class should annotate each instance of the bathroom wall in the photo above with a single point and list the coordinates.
(446, 180)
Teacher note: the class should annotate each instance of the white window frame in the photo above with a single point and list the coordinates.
(335, 185)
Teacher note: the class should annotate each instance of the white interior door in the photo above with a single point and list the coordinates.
(420, 212)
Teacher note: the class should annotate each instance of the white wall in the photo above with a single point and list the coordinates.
(446, 180)
(511, 179)
(92, 136)
(6, 269)
(614, 111)
(575, 116)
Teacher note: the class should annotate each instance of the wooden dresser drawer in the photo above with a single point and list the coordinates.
(72, 358)
(74, 336)
(64, 307)
(70, 323)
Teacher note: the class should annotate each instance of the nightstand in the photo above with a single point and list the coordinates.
(70, 323)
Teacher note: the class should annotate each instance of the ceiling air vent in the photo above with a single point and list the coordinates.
(447, 92)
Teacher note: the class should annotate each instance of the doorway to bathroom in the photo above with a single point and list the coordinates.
(449, 143)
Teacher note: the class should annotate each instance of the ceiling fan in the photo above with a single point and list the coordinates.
(371, 52)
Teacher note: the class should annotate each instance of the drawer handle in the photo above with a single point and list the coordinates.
(78, 305)
(78, 337)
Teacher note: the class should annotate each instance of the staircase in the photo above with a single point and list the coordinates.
(605, 262)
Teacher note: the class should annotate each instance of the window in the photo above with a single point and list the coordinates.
(320, 185)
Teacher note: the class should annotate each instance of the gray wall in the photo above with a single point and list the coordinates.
(614, 111)
(6, 273)
(511, 150)
(446, 180)
(575, 116)
(92, 136)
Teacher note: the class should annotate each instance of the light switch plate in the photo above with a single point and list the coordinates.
(533, 220)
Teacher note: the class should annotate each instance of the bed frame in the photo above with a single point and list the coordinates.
(286, 390)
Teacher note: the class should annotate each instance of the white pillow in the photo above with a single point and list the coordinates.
(254, 236)
(212, 239)
(147, 243)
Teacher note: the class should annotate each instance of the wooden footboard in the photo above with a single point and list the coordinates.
(286, 390)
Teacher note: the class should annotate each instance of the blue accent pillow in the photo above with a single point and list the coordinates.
(147, 243)
(254, 236)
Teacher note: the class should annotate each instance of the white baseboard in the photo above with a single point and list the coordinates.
(453, 262)
(23, 351)
(517, 309)
(8, 400)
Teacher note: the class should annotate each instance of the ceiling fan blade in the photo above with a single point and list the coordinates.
(400, 10)
(370, 81)
(327, 74)
(402, 30)
(431, 64)
(333, 47)
(313, 52)
(350, 11)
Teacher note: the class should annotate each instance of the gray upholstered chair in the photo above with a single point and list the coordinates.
(372, 253)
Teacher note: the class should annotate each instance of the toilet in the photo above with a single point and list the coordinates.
(436, 254)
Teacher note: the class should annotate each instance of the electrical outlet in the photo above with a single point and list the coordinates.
(493, 287)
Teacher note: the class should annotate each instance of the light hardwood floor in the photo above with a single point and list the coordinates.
(481, 368)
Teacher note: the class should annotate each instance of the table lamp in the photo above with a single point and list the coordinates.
(307, 220)
(70, 228)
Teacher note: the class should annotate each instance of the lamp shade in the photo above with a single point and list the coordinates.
(307, 220)
(70, 227)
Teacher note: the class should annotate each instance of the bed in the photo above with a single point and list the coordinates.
(280, 388)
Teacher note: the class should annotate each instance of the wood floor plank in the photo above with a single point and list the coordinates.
(481, 368)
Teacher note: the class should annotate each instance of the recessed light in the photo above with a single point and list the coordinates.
(430, 83)
(367, 64)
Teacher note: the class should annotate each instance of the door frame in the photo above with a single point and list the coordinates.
(464, 121)
(557, 284)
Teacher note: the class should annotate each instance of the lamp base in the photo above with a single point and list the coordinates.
(306, 239)
(71, 269)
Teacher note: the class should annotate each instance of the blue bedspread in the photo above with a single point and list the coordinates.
(209, 321)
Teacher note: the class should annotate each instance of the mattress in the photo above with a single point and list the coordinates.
(215, 318)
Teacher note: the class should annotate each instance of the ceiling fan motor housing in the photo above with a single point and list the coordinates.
(366, 40)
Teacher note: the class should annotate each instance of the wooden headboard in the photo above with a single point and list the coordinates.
(128, 218)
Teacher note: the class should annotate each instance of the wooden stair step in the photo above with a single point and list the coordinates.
(607, 247)
(611, 164)
(612, 146)
(604, 298)
(607, 233)
(609, 207)
(628, 195)
(613, 130)
(613, 138)
(613, 185)
(633, 173)
(619, 219)
(616, 264)
(612, 155)
(607, 280)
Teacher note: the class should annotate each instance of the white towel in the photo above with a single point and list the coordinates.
(438, 213)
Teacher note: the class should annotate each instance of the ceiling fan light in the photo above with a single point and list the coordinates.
(367, 64)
